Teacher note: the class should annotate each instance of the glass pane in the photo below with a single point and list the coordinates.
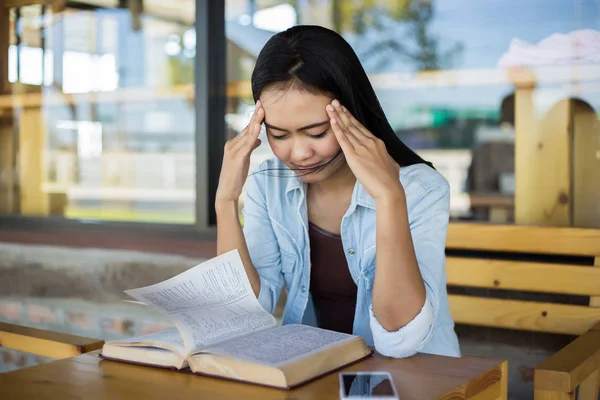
(107, 125)
(459, 95)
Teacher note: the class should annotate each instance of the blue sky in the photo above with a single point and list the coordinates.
(486, 27)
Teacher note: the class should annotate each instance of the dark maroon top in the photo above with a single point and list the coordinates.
(332, 288)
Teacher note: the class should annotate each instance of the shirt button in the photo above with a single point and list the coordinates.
(303, 289)
(351, 252)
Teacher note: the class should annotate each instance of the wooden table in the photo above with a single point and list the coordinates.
(89, 377)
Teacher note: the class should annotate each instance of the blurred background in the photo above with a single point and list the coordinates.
(113, 114)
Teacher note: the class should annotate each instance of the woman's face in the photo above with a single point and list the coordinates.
(300, 134)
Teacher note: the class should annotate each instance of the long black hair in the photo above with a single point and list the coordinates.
(319, 60)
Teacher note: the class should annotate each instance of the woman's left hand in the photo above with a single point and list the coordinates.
(365, 154)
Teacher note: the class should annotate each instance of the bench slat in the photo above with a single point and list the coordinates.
(524, 276)
(568, 368)
(45, 343)
(595, 301)
(523, 315)
(524, 239)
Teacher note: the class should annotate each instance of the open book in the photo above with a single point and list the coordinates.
(222, 330)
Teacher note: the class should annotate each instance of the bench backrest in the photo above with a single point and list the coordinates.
(45, 343)
(508, 257)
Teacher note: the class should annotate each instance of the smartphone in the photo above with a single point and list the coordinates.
(367, 385)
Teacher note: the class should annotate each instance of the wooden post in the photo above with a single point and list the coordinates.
(32, 134)
(542, 162)
(504, 390)
(551, 395)
(4, 43)
(586, 166)
(588, 389)
(6, 125)
(7, 173)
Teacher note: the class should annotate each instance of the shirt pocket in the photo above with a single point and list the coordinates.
(288, 262)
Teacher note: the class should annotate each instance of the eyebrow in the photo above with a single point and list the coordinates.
(301, 129)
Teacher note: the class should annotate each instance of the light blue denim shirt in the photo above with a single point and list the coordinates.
(276, 232)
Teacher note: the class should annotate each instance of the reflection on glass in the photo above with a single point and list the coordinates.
(457, 94)
(102, 125)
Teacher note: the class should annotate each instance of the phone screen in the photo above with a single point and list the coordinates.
(367, 385)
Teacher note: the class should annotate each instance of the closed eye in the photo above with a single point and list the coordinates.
(280, 137)
(320, 135)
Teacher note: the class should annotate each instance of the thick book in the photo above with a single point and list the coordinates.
(222, 330)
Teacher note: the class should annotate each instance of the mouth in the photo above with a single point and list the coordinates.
(307, 168)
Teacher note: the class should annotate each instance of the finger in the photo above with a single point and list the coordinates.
(357, 123)
(257, 143)
(341, 137)
(356, 133)
(251, 138)
(350, 137)
(345, 121)
(252, 131)
(342, 117)
(257, 116)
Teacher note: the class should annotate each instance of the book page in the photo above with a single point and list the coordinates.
(210, 302)
(169, 338)
(279, 346)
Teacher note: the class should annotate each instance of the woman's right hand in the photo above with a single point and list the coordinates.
(236, 159)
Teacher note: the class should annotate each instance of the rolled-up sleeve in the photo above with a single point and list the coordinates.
(262, 243)
(428, 226)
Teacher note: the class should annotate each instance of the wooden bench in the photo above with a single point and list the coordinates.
(500, 257)
(544, 260)
(575, 366)
(45, 343)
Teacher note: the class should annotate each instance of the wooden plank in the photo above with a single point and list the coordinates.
(4, 44)
(586, 164)
(58, 6)
(32, 137)
(588, 390)
(523, 315)
(525, 276)
(45, 343)
(525, 239)
(595, 300)
(568, 368)
(123, 95)
(22, 3)
(7, 170)
(504, 393)
(492, 392)
(542, 162)
(461, 78)
(540, 394)
(422, 376)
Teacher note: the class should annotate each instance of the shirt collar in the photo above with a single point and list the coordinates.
(360, 196)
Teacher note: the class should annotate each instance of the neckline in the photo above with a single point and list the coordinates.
(323, 232)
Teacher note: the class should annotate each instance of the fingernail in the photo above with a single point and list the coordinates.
(257, 103)
(344, 108)
(336, 103)
(329, 108)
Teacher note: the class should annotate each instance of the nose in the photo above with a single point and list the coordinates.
(301, 150)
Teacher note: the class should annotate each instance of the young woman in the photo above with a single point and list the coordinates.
(350, 219)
